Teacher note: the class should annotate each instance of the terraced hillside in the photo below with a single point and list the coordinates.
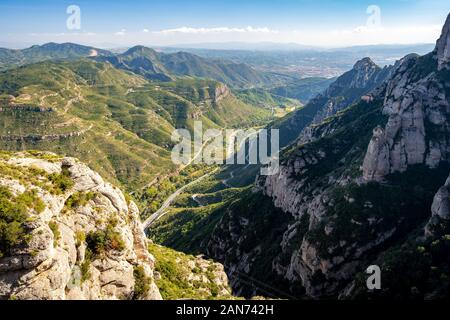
(116, 121)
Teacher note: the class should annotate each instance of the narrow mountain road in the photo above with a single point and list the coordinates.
(225, 181)
(195, 198)
(163, 210)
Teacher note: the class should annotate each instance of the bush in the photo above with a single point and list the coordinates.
(99, 242)
(79, 199)
(141, 283)
(56, 233)
(85, 266)
(61, 181)
(80, 237)
(31, 200)
(13, 215)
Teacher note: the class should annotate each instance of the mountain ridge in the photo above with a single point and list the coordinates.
(163, 67)
(327, 220)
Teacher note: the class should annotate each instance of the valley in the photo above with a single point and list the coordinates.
(93, 205)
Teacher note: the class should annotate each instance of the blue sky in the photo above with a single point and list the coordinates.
(312, 22)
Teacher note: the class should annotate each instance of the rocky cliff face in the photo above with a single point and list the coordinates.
(82, 240)
(443, 46)
(417, 105)
(335, 215)
(349, 88)
(440, 209)
(221, 92)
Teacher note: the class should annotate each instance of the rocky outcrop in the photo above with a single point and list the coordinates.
(87, 243)
(196, 277)
(285, 189)
(418, 106)
(376, 162)
(440, 210)
(443, 46)
(348, 88)
(324, 221)
(28, 108)
(221, 92)
(351, 87)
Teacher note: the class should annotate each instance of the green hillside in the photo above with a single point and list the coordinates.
(10, 58)
(159, 66)
(303, 89)
(116, 121)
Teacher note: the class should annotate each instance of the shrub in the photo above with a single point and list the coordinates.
(79, 199)
(61, 181)
(141, 283)
(31, 200)
(99, 242)
(85, 266)
(80, 237)
(56, 233)
(13, 215)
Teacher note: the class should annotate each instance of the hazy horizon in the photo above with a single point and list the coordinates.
(225, 46)
(327, 23)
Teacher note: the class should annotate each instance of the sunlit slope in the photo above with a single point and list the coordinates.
(116, 121)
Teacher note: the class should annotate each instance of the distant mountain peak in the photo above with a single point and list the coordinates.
(140, 50)
(443, 45)
(364, 63)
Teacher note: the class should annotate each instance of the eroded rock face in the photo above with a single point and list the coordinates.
(221, 92)
(376, 162)
(440, 210)
(418, 107)
(443, 46)
(361, 79)
(54, 263)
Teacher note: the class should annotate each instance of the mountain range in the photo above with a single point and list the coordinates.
(147, 62)
(363, 181)
(363, 178)
(116, 121)
(360, 193)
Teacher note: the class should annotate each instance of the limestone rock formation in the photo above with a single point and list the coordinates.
(354, 85)
(221, 92)
(376, 162)
(86, 243)
(417, 104)
(440, 209)
(443, 46)
(361, 79)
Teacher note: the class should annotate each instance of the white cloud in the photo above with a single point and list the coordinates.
(410, 30)
(121, 32)
(358, 35)
(189, 30)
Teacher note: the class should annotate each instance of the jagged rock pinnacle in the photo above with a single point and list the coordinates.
(443, 46)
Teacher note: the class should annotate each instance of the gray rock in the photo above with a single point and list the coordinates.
(49, 268)
(443, 46)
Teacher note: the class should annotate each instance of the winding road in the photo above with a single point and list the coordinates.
(163, 210)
